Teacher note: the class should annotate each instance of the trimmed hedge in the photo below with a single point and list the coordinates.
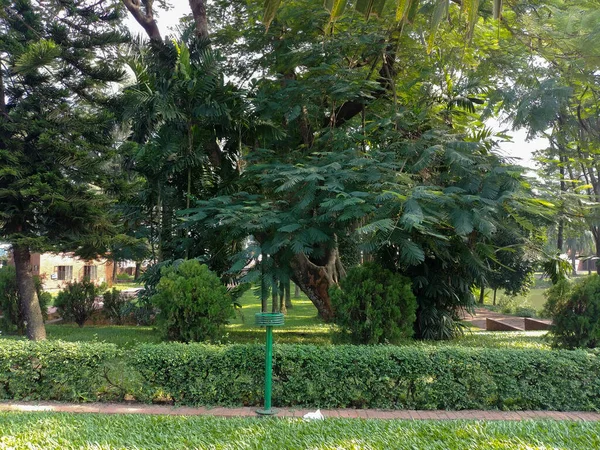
(52, 370)
(373, 377)
(419, 377)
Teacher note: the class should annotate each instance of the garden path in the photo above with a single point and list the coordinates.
(135, 408)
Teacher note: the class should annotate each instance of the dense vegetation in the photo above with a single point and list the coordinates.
(417, 377)
(297, 140)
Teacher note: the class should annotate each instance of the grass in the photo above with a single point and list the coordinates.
(302, 326)
(124, 336)
(92, 431)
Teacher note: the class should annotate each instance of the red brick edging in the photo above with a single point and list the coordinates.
(126, 408)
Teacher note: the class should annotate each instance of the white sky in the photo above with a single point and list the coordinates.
(518, 148)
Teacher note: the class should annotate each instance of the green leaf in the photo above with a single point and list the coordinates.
(411, 253)
(440, 12)
(402, 9)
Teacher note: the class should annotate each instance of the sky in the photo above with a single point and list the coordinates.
(519, 148)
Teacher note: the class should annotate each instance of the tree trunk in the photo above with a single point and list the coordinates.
(263, 285)
(288, 299)
(282, 307)
(114, 271)
(136, 274)
(29, 302)
(574, 262)
(481, 294)
(296, 292)
(144, 17)
(495, 291)
(315, 280)
(274, 297)
(199, 12)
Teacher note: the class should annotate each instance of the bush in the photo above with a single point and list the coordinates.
(13, 319)
(575, 313)
(115, 306)
(345, 376)
(124, 277)
(374, 305)
(52, 370)
(193, 304)
(76, 302)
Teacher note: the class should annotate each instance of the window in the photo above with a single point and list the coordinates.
(64, 273)
(90, 272)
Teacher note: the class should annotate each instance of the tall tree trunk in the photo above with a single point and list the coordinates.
(136, 274)
(315, 280)
(199, 12)
(288, 299)
(28, 298)
(274, 297)
(263, 285)
(114, 271)
(481, 294)
(282, 307)
(495, 291)
(296, 292)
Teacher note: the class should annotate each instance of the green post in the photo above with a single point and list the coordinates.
(268, 320)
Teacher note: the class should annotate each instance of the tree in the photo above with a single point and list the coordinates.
(365, 154)
(57, 62)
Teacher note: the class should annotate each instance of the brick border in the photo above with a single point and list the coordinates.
(138, 408)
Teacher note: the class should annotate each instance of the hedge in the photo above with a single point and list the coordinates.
(416, 377)
(52, 370)
(373, 376)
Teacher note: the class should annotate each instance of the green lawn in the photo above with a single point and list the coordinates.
(302, 326)
(50, 431)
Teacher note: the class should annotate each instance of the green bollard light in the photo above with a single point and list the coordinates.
(268, 320)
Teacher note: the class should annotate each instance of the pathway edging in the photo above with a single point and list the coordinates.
(138, 408)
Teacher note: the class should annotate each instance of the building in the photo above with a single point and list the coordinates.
(57, 269)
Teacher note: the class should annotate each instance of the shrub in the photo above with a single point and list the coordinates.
(13, 319)
(115, 306)
(374, 305)
(52, 370)
(576, 314)
(382, 376)
(76, 302)
(193, 304)
(124, 277)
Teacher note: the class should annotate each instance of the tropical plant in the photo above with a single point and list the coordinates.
(575, 313)
(192, 302)
(374, 306)
(57, 61)
(116, 306)
(77, 301)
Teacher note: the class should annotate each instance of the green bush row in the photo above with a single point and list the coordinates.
(373, 377)
(337, 376)
(52, 370)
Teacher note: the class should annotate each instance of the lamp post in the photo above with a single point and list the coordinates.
(268, 320)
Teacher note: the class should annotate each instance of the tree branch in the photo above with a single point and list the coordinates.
(199, 12)
(144, 18)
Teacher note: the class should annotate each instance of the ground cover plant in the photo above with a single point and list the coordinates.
(53, 431)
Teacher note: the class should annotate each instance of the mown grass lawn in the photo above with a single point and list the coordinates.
(50, 431)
